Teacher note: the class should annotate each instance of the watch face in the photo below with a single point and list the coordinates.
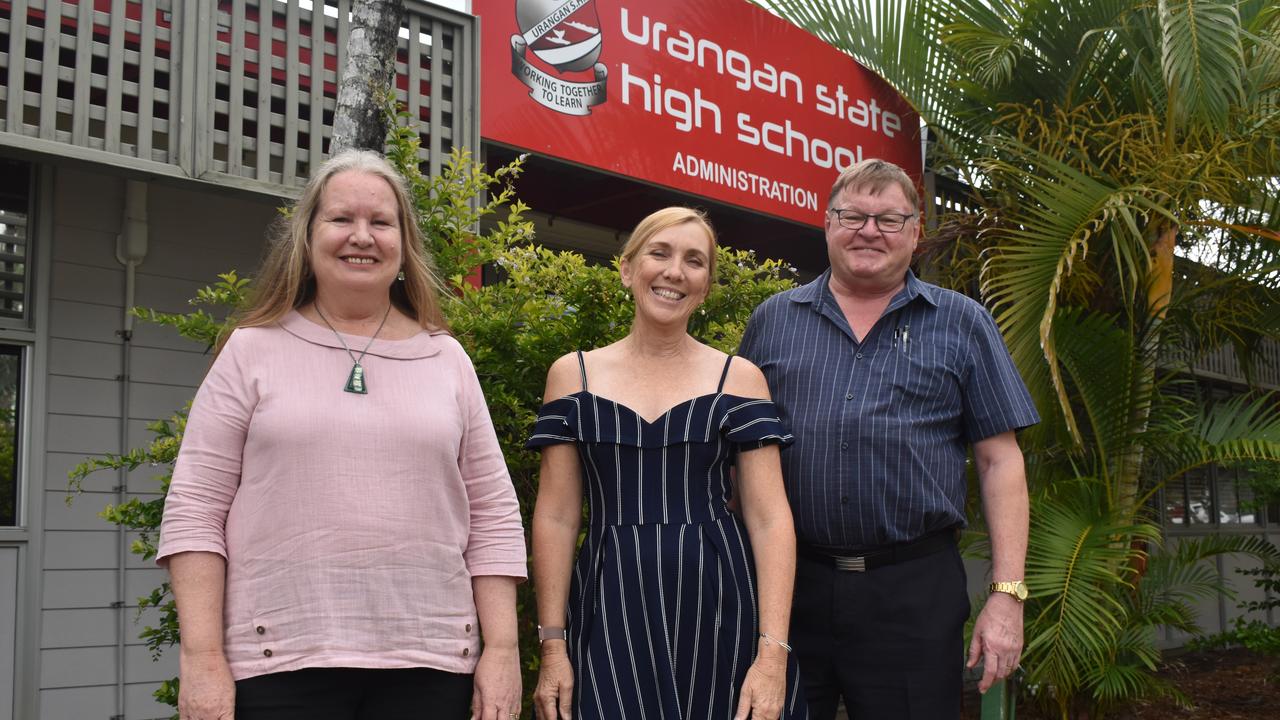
(1016, 588)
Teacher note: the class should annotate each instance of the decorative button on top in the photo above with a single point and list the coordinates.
(267, 652)
(260, 630)
(466, 652)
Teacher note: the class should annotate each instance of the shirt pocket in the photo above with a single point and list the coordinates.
(924, 387)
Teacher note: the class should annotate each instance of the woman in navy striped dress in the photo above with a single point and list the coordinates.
(667, 612)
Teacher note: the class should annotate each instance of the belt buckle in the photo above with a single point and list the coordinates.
(857, 563)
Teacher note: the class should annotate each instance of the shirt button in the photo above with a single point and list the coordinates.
(466, 652)
(468, 627)
(260, 630)
(849, 396)
(858, 356)
(267, 652)
(844, 446)
(844, 500)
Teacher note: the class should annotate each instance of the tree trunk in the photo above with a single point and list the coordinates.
(360, 120)
(1159, 290)
(1161, 285)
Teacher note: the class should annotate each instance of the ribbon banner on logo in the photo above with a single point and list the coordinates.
(563, 96)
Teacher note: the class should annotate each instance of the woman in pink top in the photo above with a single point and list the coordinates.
(341, 530)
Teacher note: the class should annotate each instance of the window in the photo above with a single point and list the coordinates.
(1216, 496)
(15, 201)
(15, 323)
(10, 385)
(1188, 500)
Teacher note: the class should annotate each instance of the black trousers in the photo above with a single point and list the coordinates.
(355, 694)
(890, 641)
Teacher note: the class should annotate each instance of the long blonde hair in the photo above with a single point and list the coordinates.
(286, 282)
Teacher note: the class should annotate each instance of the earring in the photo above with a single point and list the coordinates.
(400, 276)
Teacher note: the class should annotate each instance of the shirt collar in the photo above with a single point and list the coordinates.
(918, 288)
(818, 292)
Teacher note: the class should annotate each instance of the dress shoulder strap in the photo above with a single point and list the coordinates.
(582, 368)
(723, 374)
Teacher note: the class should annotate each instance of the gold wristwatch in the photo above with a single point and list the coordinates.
(1016, 588)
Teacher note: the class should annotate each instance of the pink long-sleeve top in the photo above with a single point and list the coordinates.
(351, 524)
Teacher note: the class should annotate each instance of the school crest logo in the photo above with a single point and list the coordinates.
(563, 35)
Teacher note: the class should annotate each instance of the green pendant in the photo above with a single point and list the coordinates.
(355, 383)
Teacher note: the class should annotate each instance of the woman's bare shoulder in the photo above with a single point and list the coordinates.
(563, 377)
(745, 379)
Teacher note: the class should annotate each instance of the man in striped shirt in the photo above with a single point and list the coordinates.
(886, 382)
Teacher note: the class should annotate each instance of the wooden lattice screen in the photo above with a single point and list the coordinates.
(238, 92)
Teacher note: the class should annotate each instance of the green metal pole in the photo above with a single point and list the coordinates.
(1000, 702)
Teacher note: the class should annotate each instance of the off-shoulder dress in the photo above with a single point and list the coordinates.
(662, 616)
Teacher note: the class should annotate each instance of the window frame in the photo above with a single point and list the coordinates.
(21, 335)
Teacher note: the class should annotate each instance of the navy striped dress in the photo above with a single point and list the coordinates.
(662, 614)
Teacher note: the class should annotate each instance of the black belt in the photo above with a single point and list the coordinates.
(866, 559)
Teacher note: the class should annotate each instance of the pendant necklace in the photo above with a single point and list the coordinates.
(355, 381)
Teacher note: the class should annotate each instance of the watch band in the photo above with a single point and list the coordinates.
(1016, 588)
(552, 633)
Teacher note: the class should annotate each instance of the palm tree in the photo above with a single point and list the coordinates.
(1099, 137)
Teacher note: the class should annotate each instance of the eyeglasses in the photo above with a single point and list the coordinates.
(886, 222)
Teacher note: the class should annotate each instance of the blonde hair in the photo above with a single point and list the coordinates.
(663, 219)
(286, 282)
(874, 175)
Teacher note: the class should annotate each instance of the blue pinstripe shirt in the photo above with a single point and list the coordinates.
(882, 427)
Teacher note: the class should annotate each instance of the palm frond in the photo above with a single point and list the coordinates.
(1261, 22)
(1041, 234)
(1131, 680)
(1241, 429)
(1179, 578)
(1202, 58)
(1078, 557)
(989, 57)
(899, 41)
(1110, 378)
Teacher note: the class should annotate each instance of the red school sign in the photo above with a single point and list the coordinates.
(718, 98)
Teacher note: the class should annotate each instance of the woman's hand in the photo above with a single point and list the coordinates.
(497, 685)
(764, 690)
(206, 690)
(553, 698)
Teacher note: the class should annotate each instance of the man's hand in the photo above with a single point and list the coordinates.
(206, 690)
(997, 639)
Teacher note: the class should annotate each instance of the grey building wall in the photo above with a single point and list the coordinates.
(70, 651)
(1218, 613)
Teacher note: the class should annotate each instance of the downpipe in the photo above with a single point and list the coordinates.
(131, 250)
